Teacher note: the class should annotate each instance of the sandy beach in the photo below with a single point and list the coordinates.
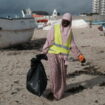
(85, 83)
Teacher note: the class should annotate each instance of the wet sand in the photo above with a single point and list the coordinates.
(85, 83)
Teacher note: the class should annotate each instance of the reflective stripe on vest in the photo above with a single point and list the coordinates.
(57, 46)
(60, 53)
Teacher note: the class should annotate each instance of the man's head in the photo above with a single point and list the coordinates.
(65, 23)
(66, 20)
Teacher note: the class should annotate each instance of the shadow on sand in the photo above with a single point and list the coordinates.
(31, 45)
(74, 88)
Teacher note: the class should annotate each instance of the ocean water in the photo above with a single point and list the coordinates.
(99, 22)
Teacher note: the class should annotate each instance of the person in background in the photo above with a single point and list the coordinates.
(102, 28)
(59, 43)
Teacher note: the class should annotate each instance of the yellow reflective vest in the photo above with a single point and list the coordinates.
(58, 47)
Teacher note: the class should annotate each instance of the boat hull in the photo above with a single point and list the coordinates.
(9, 38)
(16, 31)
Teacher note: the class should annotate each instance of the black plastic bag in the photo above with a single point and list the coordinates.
(36, 77)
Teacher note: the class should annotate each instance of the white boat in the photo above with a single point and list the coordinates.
(16, 31)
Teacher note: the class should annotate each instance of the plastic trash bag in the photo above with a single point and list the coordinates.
(36, 77)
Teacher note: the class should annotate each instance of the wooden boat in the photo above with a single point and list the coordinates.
(16, 31)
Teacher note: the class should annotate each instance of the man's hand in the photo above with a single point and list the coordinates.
(81, 58)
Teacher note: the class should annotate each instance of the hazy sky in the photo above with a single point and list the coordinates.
(73, 6)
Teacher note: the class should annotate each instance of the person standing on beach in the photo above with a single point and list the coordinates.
(59, 43)
(102, 28)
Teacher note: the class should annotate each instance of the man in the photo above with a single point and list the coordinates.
(59, 43)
